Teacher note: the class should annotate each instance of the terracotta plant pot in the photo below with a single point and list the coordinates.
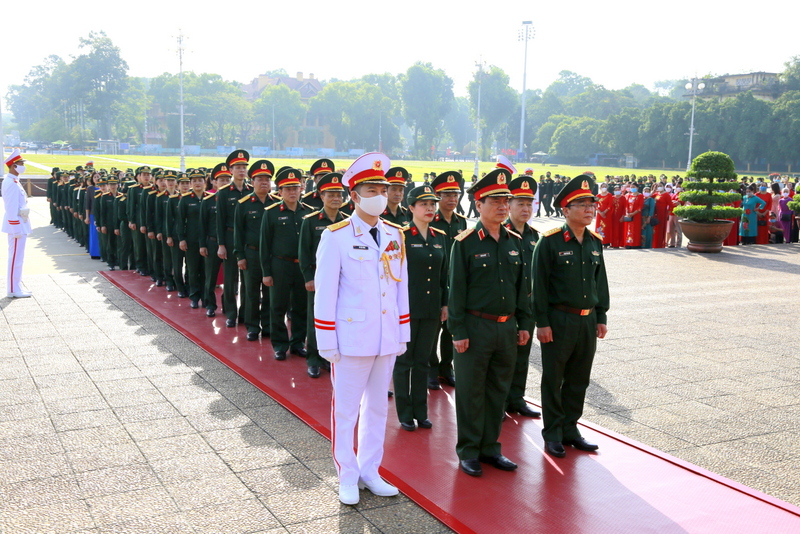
(705, 237)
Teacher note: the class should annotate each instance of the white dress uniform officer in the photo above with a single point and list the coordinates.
(362, 323)
(16, 223)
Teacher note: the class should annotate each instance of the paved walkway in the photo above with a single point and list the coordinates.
(111, 421)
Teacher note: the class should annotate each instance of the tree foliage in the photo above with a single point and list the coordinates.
(427, 95)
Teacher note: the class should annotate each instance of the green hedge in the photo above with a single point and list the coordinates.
(704, 214)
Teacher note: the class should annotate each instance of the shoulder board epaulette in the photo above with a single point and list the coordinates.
(395, 225)
(176, 195)
(161, 193)
(339, 225)
(551, 231)
(311, 214)
(459, 215)
(461, 235)
(153, 192)
(307, 206)
(133, 185)
(245, 198)
(98, 194)
(224, 187)
(308, 194)
(512, 232)
(274, 205)
(405, 228)
(598, 236)
(437, 230)
(186, 194)
(209, 195)
(120, 196)
(275, 196)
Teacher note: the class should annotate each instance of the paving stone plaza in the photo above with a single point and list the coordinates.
(112, 421)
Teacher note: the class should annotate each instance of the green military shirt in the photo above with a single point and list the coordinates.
(247, 222)
(313, 200)
(348, 209)
(488, 275)
(162, 204)
(529, 238)
(120, 210)
(144, 203)
(569, 273)
(134, 194)
(150, 210)
(280, 233)
(171, 217)
(427, 271)
(402, 217)
(105, 207)
(227, 201)
(187, 224)
(208, 215)
(310, 233)
(457, 224)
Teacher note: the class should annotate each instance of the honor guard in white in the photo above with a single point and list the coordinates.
(362, 323)
(16, 223)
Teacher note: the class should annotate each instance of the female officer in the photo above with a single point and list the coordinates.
(427, 277)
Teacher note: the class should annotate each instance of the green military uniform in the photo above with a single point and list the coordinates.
(227, 201)
(124, 241)
(93, 207)
(348, 208)
(51, 187)
(397, 176)
(489, 308)
(154, 247)
(523, 187)
(279, 248)
(108, 220)
(178, 256)
(188, 228)
(441, 365)
(135, 192)
(319, 168)
(250, 211)
(427, 294)
(161, 208)
(208, 224)
(314, 224)
(570, 295)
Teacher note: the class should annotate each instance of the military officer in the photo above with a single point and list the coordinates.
(143, 175)
(488, 315)
(329, 188)
(108, 221)
(319, 168)
(52, 182)
(427, 285)
(171, 221)
(123, 233)
(220, 177)
(570, 302)
(519, 213)
(447, 186)
(162, 205)
(247, 234)
(227, 200)
(188, 228)
(154, 245)
(145, 217)
(16, 223)
(280, 241)
(395, 212)
(362, 322)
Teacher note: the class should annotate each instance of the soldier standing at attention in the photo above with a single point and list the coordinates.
(16, 223)
(362, 322)
(137, 236)
(489, 315)
(246, 234)
(149, 236)
(330, 190)
(155, 248)
(108, 221)
(171, 220)
(520, 211)
(123, 233)
(394, 212)
(427, 287)
(447, 186)
(319, 168)
(227, 200)
(280, 241)
(570, 300)
(220, 177)
(188, 228)
(162, 205)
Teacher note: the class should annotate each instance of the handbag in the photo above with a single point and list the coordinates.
(762, 222)
(653, 221)
(627, 218)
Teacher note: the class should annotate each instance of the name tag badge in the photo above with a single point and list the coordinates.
(533, 243)
(483, 255)
(360, 247)
(565, 253)
(513, 253)
(416, 245)
(283, 218)
(320, 228)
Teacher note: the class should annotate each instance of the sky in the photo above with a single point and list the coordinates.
(615, 43)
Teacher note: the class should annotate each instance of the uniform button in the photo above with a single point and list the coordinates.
(381, 277)
(384, 311)
(429, 267)
(428, 292)
(361, 257)
(484, 265)
(383, 294)
(430, 280)
(349, 320)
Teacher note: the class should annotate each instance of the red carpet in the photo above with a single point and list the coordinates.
(626, 487)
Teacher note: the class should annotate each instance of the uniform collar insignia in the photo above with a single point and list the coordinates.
(414, 230)
(567, 236)
(481, 234)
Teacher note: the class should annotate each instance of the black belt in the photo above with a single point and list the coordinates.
(575, 311)
(495, 318)
(252, 247)
(284, 258)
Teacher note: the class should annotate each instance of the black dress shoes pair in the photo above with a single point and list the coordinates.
(472, 467)
(230, 323)
(499, 461)
(408, 425)
(555, 448)
(581, 444)
(194, 305)
(210, 312)
(526, 411)
(433, 383)
(424, 423)
(300, 351)
(313, 371)
(182, 294)
(280, 355)
(252, 336)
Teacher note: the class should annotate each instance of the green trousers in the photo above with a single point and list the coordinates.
(212, 265)
(411, 371)
(166, 255)
(195, 270)
(139, 250)
(483, 378)
(516, 394)
(124, 247)
(155, 263)
(288, 291)
(178, 267)
(233, 281)
(111, 247)
(256, 296)
(566, 370)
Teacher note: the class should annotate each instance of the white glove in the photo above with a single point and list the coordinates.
(403, 349)
(332, 355)
(24, 213)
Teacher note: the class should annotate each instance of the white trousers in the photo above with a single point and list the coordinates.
(360, 387)
(16, 253)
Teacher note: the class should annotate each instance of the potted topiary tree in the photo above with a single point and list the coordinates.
(711, 180)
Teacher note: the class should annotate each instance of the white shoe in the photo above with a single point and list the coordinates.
(348, 494)
(379, 487)
(19, 295)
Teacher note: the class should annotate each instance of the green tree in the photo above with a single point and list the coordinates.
(459, 124)
(427, 96)
(575, 140)
(499, 102)
(131, 110)
(598, 102)
(37, 97)
(543, 142)
(790, 78)
(621, 131)
(289, 111)
(784, 128)
(569, 84)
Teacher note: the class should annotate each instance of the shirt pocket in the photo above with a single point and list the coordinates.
(350, 325)
(362, 263)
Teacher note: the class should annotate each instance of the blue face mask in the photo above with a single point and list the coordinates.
(634, 189)
(763, 189)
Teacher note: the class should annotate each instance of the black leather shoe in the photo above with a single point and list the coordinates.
(252, 336)
(433, 383)
(499, 461)
(581, 444)
(194, 305)
(230, 323)
(449, 380)
(472, 467)
(425, 423)
(555, 448)
(211, 313)
(300, 351)
(526, 411)
(159, 283)
(280, 355)
(170, 288)
(182, 294)
(408, 425)
(313, 371)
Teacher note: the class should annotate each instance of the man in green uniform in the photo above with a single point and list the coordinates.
(448, 187)
(220, 177)
(329, 189)
(171, 221)
(319, 168)
(395, 212)
(52, 183)
(280, 243)
(155, 250)
(570, 302)
(134, 223)
(520, 212)
(188, 228)
(246, 238)
(162, 205)
(108, 220)
(227, 200)
(123, 233)
(489, 315)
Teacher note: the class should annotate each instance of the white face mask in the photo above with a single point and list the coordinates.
(646, 194)
(374, 206)
(785, 194)
(20, 168)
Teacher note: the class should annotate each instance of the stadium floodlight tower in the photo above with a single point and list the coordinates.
(525, 34)
(693, 88)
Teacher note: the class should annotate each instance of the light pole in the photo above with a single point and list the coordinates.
(478, 120)
(525, 34)
(693, 88)
(180, 59)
